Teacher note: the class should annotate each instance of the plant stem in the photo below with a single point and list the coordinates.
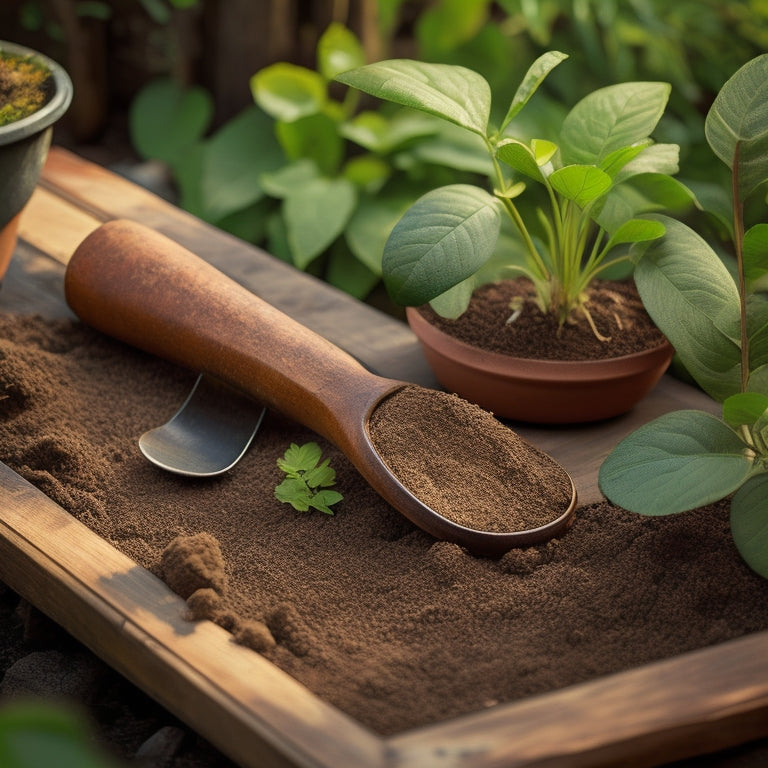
(738, 238)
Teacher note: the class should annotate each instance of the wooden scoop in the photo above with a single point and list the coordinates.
(142, 288)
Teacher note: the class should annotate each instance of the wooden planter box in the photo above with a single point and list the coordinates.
(248, 708)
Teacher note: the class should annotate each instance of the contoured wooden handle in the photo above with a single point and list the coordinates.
(138, 286)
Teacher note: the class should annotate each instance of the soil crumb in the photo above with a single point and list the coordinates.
(374, 616)
(192, 563)
(466, 465)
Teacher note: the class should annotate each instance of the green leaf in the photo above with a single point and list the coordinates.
(737, 124)
(755, 252)
(693, 300)
(454, 93)
(532, 80)
(521, 157)
(636, 231)
(758, 380)
(320, 476)
(679, 461)
(454, 301)
(166, 118)
(379, 133)
(315, 215)
(287, 92)
(233, 162)
(658, 158)
(300, 458)
(315, 137)
(338, 50)
(749, 523)
(580, 183)
(285, 179)
(294, 491)
(611, 118)
(322, 500)
(368, 173)
(348, 273)
(444, 26)
(443, 238)
(371, 225)
(744, 408)
(617, 159)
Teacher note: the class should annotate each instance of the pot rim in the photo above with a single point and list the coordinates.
(50, 112)
(505, 366)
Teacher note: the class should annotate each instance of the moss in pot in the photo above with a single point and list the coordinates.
(34, 93)
(563, 217)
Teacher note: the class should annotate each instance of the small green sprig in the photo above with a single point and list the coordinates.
(307, 480)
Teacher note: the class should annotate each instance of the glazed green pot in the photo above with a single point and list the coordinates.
(23, 149)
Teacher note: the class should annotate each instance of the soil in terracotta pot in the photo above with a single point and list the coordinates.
(369, 612)
(25, 87)
(616, 309)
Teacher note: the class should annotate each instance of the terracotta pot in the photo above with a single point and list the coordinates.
(540, 391)
(23, 148)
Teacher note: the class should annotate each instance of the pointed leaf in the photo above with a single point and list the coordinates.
(744, 408)
(315, 215)
(521, 157)
(658, 158)
(454, 93)
(287, 92)
(611, 118)
(532, 80)
(285, 179)
(442, 239)
(322, 500)
(338, 50)
(755, 252)
(692, 298)
(293, 491)
(580, 183)
(617, 159)
(636, 231)
(322, 475)
(737, 124)
(679, 461)
(749, 523)
(301, 457)
(454, 301)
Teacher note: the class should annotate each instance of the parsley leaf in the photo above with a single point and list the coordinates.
(307, 481)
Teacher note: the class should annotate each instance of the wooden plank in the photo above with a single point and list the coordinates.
(246, 706)
(55, 226)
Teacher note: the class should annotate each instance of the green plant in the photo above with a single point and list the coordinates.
(307, 479)
(34, 734)
(719, 327)
(598, 176)
(302, 171)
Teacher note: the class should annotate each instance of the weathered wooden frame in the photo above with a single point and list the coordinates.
(258, 715)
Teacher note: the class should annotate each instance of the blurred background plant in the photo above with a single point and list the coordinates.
(233, 98)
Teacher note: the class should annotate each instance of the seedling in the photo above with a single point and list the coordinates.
(307, 481)
(597, 176)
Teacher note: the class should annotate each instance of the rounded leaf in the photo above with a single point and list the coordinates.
(338, 51)
(288, 92)
(749, 523)
(442, 239)
(166, 118)
(679, 461)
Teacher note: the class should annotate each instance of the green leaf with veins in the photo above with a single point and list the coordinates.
(307, 479)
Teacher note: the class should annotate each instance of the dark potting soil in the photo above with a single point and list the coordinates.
(498, 482)
(615, 307)
(372, 614)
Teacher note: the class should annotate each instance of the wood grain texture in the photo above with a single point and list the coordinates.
(249, 709)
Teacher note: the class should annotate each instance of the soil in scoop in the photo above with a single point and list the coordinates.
(372, 614)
